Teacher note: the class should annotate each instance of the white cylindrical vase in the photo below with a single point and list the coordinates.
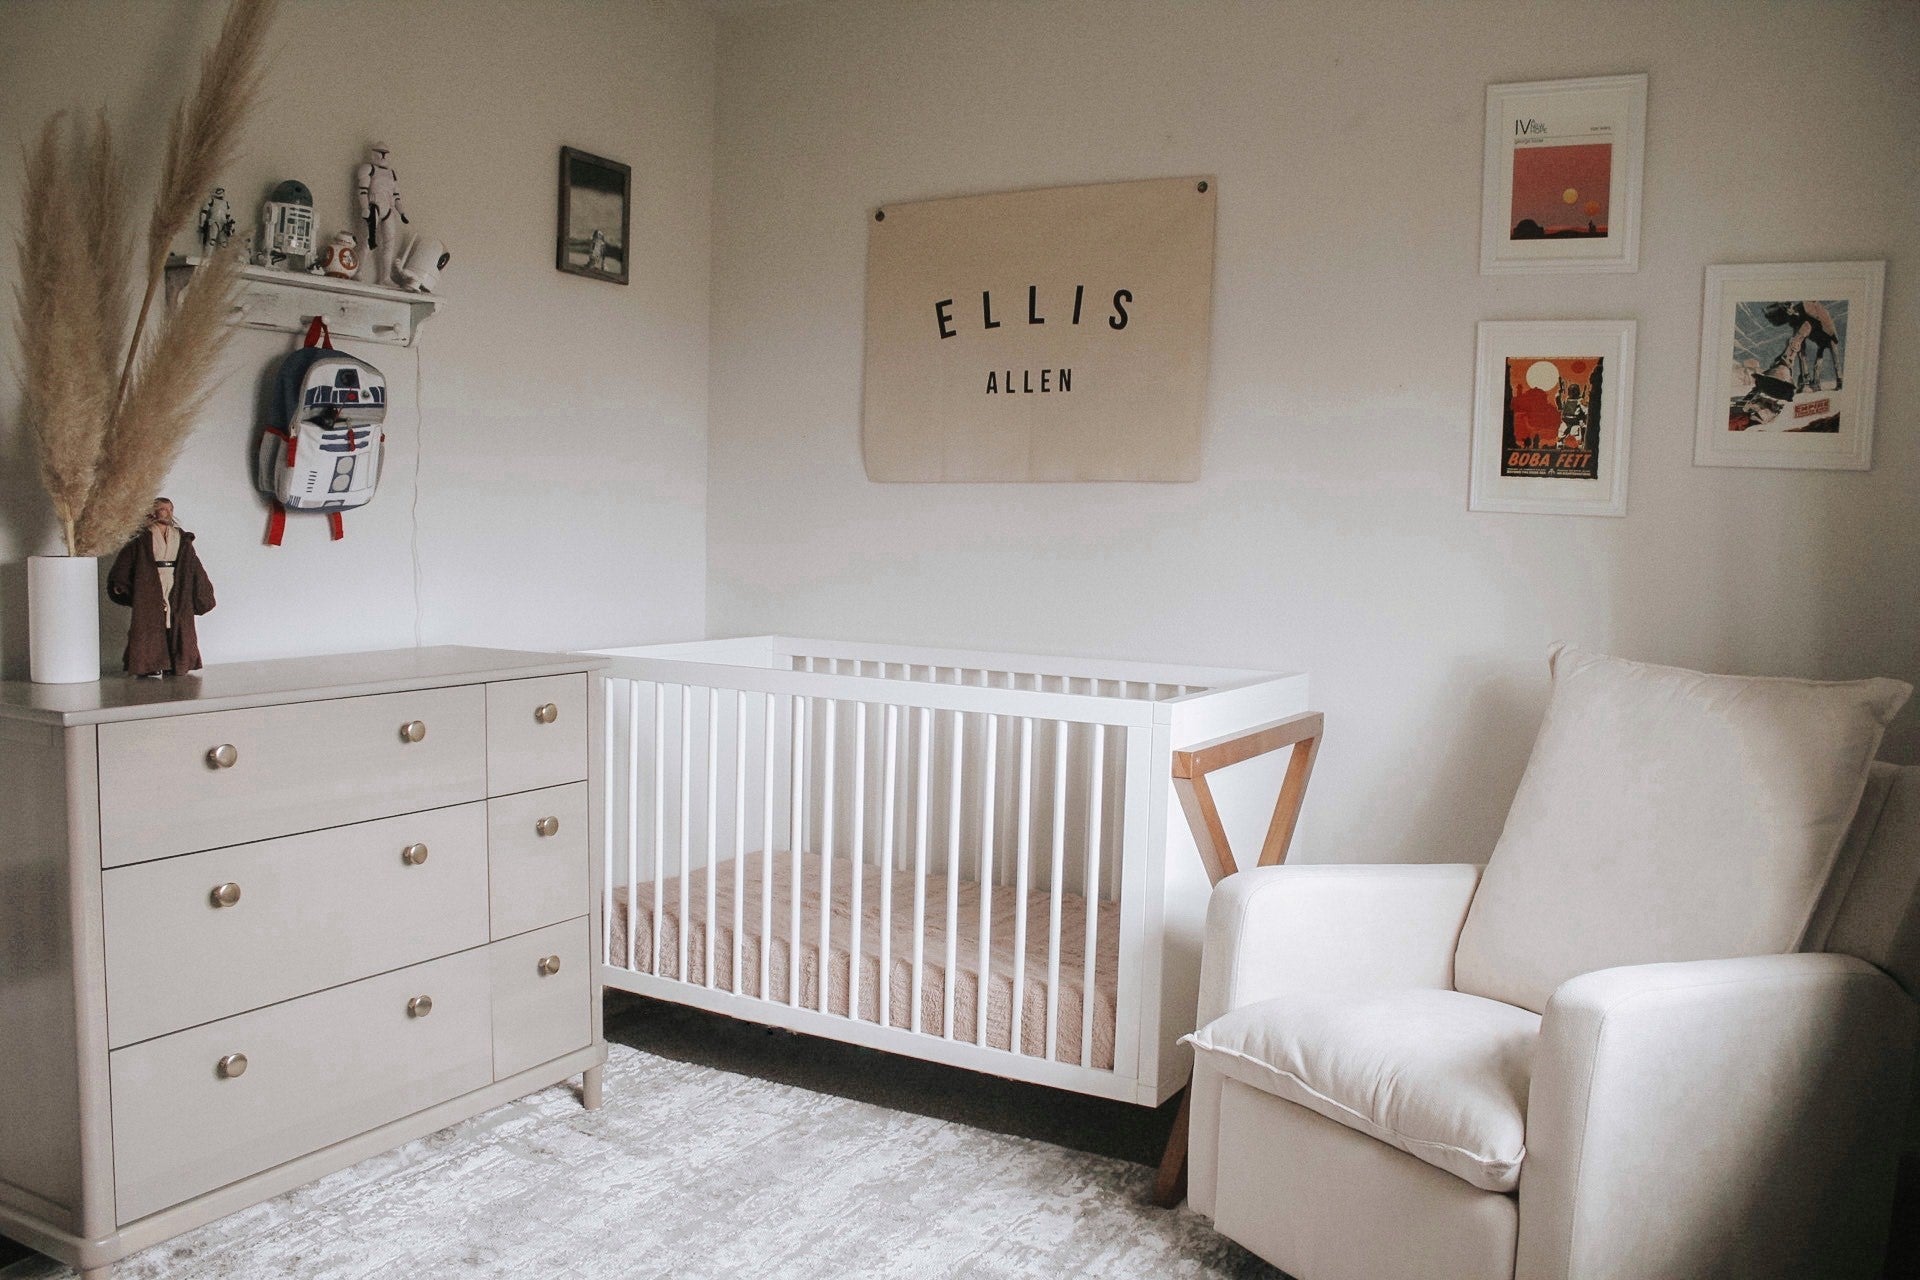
(63, 619)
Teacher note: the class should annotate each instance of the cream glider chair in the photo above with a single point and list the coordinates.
(1657, 1037)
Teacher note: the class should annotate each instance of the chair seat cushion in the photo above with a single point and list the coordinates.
(1440, 1075)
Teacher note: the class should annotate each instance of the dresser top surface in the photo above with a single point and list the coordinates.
(256, 684)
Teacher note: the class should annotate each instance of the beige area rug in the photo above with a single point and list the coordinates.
(693, 1172)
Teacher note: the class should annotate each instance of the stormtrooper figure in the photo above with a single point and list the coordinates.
(216, 221)
(377, 195)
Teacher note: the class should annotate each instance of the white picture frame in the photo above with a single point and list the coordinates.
(1789, 359)
(1576, 150)
(1552, 440)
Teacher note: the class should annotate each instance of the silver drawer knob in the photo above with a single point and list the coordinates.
(547, 826)
(224, 895)
(223, 756)
(419, 1006)
(414, 854)
(549, 965)
(232, 1066)
(413, 731)
(546, 713)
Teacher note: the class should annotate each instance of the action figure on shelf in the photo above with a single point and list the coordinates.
(376, 190)
(158, 575)
(216, 221)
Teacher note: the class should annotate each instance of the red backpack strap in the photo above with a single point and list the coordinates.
(337, 524)
(318, 335)
(276, 525)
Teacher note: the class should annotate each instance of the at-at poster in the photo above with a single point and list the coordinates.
(1550, 421)
(1789, 364)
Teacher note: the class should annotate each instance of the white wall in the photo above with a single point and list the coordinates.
(1330, 531)
(559, 423)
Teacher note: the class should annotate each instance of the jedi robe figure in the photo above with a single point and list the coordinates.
(159, 576)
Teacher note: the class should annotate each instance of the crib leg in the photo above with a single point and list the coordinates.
(590, 1084)
(1170, 1183)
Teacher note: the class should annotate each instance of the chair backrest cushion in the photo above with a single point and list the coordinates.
(1668, 815)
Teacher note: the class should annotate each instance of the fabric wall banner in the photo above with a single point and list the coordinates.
(1051, 335)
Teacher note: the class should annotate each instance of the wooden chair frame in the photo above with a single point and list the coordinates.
(1190, 772)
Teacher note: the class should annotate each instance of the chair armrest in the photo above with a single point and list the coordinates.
(1331, 927)
(1716, 1118)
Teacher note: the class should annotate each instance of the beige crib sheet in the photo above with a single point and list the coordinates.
(967, 1000)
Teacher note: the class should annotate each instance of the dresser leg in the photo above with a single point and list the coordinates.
(590, 1081)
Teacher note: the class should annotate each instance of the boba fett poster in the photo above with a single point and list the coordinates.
(1051, 335)
(1551, 417)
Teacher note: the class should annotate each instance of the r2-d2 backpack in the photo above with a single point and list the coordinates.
(325, 453)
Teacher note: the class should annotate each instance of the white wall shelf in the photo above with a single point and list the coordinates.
(288, 301)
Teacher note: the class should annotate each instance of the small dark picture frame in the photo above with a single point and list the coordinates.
(596, 200)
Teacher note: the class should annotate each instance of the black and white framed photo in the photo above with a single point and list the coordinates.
(596, 200)
(1552, 415)
(1789, 355)
(1562, 175)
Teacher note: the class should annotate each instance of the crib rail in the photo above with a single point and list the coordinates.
(949, 870)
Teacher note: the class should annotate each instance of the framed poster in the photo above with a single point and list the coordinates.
(1042, 336)
(1789, 354)
(1562, 176)
(596, 199)
(1552, 414)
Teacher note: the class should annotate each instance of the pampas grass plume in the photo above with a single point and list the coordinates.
(110, 410)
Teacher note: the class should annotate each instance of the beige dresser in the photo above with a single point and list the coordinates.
(261, 923)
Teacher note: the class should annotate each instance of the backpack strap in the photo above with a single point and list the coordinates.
(318, 335)
(276, 525)
(337, 524)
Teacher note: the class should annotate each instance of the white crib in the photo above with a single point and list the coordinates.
(973, 858)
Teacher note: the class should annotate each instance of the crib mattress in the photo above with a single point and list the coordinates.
(971, 996)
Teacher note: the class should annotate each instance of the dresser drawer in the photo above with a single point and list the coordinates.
(536, 733)
(542, 996)
(312, 911)
(289, 768)
(537, 878)
(317, 1070)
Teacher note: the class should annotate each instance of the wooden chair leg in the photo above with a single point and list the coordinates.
(1170, 1183)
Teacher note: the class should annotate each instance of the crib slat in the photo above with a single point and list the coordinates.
(739, 835)
(1137, 781)
(659, 822)
(796, 832)
(859, 862)
(1023, 848)
(606, 897)
(713, 827)
(890, 772)
(826, 852)
(1059, 866)
(766, 849)
(1096, 779)
(633, 818)
(955, 758)
(920, 864)
(686, 825)
(985, 878)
